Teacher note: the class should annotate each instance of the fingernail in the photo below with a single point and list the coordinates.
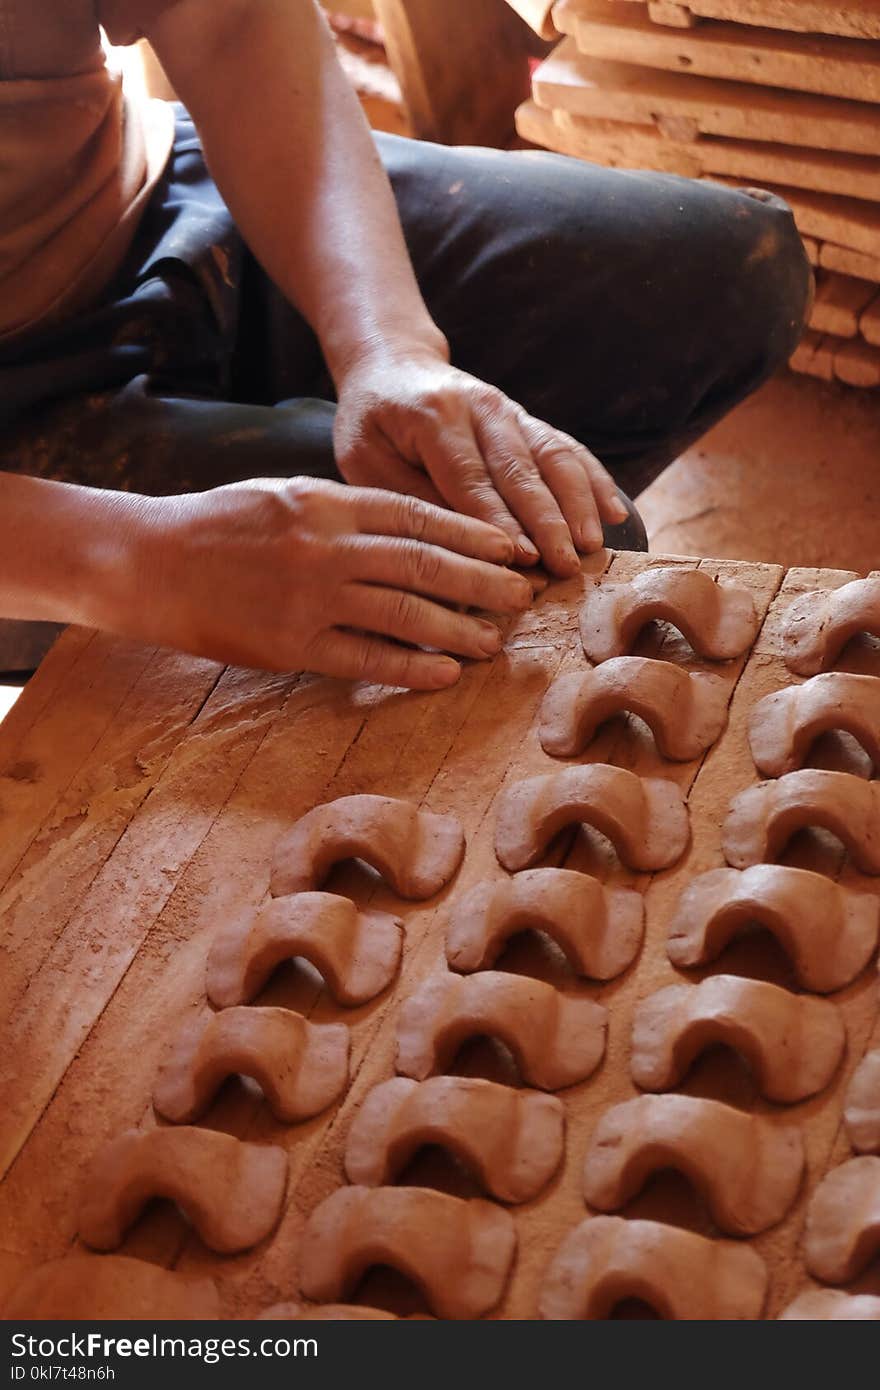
(503, 549)
(490, 639)
(569, 563)
(443, 671)
(521, 593)
(618, 509)
(525, 547)
(591, 539)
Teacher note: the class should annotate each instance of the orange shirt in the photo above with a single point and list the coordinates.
(77, 159)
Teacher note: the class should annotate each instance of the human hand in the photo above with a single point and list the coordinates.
(413, 423)
(310, 574)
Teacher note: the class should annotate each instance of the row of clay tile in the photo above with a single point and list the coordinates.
(233, 1192)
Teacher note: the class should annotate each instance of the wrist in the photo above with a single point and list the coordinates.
(384, 351)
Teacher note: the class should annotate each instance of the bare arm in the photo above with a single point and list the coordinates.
(290, 149)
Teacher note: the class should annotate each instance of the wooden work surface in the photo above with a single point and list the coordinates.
(141, 794)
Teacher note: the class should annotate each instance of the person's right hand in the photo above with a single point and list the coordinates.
(315, 575)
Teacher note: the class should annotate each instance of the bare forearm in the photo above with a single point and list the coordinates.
(292, 154)
(62, 549)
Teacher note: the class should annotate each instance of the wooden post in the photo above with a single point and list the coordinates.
(462, 66)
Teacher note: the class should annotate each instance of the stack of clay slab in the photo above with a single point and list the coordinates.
(780, 94)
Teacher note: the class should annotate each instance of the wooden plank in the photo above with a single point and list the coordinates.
(858, 364)
(259, 753)
(814, 356)
(849, 262)
(468, 98)
(869, 324)
(686, 106)
(623, 32)
(619, 145)
(857, 19)
(838, 303)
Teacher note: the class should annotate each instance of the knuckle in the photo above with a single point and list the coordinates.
(403, 610)
(423, 562)
(413, 516)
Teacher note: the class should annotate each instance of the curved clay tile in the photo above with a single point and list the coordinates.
(719, 620)
(747, 1168)
(513, 1140)
(599, 929)
(606, 1260)
(302, 1067)
(557, 1039)
(828, 932)
(819, 625)
(862, 1106)
(415, 851)
(645, 818)
(685, 711)
(762, 819)
(793, 1043)
(784, 726)
(230, 1191)
(843, 1221)
(458, 1253)
(356, 950)
(80, 1288)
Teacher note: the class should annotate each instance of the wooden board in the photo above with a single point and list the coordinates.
(857, 19)
(839, 304)
(685, 106)
(848, 262)
(625, 33)
(136, 838)
(623, 146)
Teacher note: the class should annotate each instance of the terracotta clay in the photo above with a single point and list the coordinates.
(842, 1233)
(793, 1043)
(230, 1191)
(302, 1067)
(416, 852)
(783, 726)
(513, 1140)
(458, 1253)
(829, 1305)
(326, 1312)
(828, 932)
(357, 951)
(862, 1106)
(762, 819)
(78, 1288)
(819, 625)
(748, 1169)
(600, 929)
(645, 818)
(718, 620)
(685, 711)
(607, 1259)
(556, 1039)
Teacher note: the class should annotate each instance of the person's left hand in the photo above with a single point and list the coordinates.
(414, 424)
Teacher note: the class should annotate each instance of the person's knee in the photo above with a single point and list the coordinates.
(774, 280)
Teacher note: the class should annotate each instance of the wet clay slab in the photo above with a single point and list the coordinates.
(144, 798)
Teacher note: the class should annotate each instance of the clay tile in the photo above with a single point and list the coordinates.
(762, 819)
(513, 1140)
(606, 1260)
(685, 711)
(819, 625)
(458, 1253)
(556, 1039)
(80, 1288)
(784, 726)
(644, 818)
(719, 620)
(747, 1169)
(357, 951)
(416, 852)
(599, 929)
(829, 1305)
(829, 932)
(302, 1067)
(843, 1221)
(230, 1191)
(862, 1108)
(793, 1043)
(326, 1312)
